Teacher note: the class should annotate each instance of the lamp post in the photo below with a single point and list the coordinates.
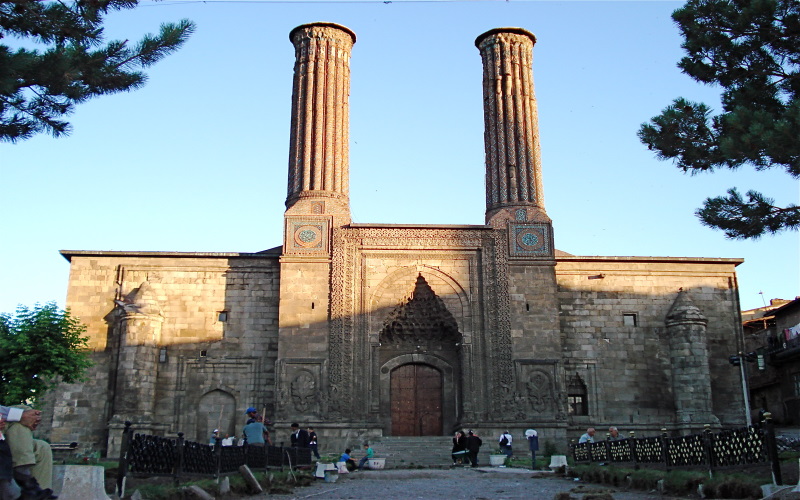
(739, 360)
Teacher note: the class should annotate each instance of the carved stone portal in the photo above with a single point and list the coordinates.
(422, 318)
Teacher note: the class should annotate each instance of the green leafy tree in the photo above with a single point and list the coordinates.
(750, 48)
(39, 347)
(70, 62)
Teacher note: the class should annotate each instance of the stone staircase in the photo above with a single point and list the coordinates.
(402, 452)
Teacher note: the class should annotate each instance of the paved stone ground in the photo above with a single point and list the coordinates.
(463, 483)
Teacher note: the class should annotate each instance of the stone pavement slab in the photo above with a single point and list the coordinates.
(461, 483)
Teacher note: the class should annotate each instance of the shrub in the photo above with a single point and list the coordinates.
(646, 479)
(683, 482)
(733, 486)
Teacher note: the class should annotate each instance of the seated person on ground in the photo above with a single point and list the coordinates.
(349, 462)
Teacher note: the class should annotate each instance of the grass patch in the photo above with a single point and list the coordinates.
(683, 482)
(679, 483)
(278, 482)
(733, 486)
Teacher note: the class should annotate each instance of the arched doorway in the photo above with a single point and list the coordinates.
(419, 351)
(416, 400)
(216, 411)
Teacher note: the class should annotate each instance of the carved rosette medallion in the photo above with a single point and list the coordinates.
(539, 390)
(303, 391)
(306, 236)
(530, 240)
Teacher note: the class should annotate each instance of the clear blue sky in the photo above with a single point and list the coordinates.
(197, 159)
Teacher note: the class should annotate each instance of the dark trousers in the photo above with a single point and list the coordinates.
(314, 450)
(473, 457)
(6, 467)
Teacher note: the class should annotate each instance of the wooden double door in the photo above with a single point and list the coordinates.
(416, 400)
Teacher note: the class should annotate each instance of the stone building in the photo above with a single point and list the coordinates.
(368, 330)
(772, 341)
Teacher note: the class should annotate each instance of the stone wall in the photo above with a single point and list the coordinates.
(625, 367)
(217, 346)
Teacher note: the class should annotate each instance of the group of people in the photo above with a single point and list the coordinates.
(350, 462)
(467, 445)
(256, 432)
(26, 464)
(588, 437)
(305, 438)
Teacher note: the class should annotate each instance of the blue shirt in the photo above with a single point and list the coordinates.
(254, 433)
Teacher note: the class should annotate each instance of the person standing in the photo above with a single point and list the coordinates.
(505, 443)
(254, 433)
(459, 453)
(473, 446)
(312, 442)
(533, 445)
(299, 436)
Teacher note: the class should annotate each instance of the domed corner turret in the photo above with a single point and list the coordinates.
(143, 300)
(683, 310)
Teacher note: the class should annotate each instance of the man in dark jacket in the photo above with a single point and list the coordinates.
(473, 446)
(299, 436)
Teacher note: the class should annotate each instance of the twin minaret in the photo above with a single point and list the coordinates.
(318, 156)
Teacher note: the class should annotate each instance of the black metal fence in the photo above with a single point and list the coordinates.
(747, 446)
(147, 455)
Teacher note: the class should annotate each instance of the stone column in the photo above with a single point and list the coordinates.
(318, 150)
(513, 159)
(688, 352)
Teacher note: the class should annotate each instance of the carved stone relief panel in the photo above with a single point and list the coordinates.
(301, 388)
(539, 394)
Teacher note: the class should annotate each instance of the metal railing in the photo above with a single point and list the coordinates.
(753, 445)
(148, 455)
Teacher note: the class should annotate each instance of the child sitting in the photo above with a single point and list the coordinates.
(349, 462)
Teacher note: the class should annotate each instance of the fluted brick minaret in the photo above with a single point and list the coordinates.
(318, 151)
(513, 160)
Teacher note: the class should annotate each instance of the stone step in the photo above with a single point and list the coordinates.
(420, 451)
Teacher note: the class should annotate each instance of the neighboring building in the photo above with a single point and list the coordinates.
(772, 337)
(367, 330)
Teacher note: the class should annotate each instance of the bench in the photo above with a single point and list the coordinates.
(63, 446)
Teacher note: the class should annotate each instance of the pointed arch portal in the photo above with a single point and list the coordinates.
(420, 351)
